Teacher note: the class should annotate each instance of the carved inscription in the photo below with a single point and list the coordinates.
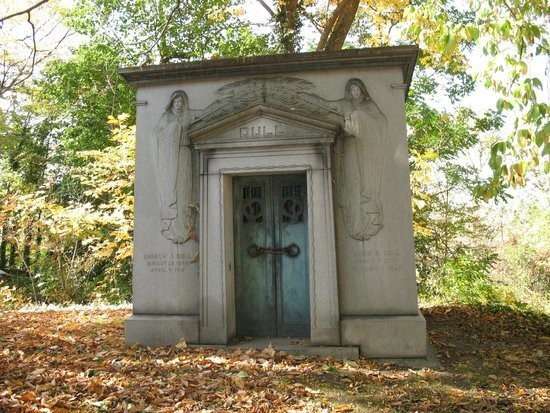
(261, 131)
(378, 261)
(162, 263)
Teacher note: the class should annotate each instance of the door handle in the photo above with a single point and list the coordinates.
(292, 250)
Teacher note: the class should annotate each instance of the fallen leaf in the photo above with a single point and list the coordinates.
(181, 344)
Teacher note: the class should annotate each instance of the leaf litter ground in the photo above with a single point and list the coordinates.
(76, 361)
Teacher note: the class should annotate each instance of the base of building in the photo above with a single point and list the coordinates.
(161, 330)
(386, 336)
(381, 337)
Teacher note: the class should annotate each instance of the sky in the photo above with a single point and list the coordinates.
(481, 100)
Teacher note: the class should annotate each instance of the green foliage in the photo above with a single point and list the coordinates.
(515, 31)
(79, 250)
(289, 24)
(66, 195)
(167, 31)
(524, 265)
(78, 94)
(453, 253)
(511, 35)
(433, 129)
(466, 280)
(66, 176)
(241, 41)
(23, 147)
(452, 247)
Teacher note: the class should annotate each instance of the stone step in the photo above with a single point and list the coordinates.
(292, 346)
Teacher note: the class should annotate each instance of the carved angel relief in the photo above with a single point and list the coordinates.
(174, 163)
(359, 161)
(360, 164)
(360, 151)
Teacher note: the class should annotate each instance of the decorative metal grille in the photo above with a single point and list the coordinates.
(293, 197)
(252, 206)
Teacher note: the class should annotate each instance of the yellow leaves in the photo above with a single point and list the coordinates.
(9, 207)
(440, 40)
(106, 251)
(217, 14)
(382, 16)
(112, 120)
(10, 297)
(448, 43)
(76, 235)
(238, 11)
(120, 119)
(124, 253)
(470, 33)
(343, 408)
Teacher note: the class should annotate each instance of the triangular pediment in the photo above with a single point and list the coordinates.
(263, 126)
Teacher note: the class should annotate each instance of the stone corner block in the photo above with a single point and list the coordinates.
(386, 336)
(161, 330)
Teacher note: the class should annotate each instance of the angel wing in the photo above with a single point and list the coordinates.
(280, 92)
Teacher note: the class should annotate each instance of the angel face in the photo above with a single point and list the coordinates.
(178, 103)
(355, 92)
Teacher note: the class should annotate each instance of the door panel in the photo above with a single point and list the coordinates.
(255, 293)
(271, 257)
(292, 277)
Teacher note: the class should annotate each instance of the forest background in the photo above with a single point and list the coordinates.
(477, 115)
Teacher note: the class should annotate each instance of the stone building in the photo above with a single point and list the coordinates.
(272, 199)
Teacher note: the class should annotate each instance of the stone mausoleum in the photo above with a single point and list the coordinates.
(272, 200)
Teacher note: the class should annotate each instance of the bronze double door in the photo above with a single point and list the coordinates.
(271, 256)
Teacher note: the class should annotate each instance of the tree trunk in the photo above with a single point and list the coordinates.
(27, 257)
(338, 25)
(11, 260)
(3, 247)
(289, 23)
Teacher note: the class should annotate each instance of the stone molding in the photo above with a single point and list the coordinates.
(404, 56)
(218, 166)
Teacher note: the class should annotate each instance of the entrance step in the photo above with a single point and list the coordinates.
(292, 346)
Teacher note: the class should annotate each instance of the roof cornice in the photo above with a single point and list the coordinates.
(403, 56)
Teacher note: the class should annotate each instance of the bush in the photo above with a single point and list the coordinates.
(11, 298)
(467, 282)
(524, 265)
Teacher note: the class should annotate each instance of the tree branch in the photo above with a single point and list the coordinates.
(163, 31)
(266, 6)
(19, 13)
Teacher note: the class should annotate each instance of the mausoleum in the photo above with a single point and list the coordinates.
(272, 199)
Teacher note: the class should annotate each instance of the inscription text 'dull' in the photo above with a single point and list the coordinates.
(261, 131)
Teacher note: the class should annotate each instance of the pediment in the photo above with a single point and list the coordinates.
(264, 126)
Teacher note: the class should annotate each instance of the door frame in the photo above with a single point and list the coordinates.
(218, 166)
